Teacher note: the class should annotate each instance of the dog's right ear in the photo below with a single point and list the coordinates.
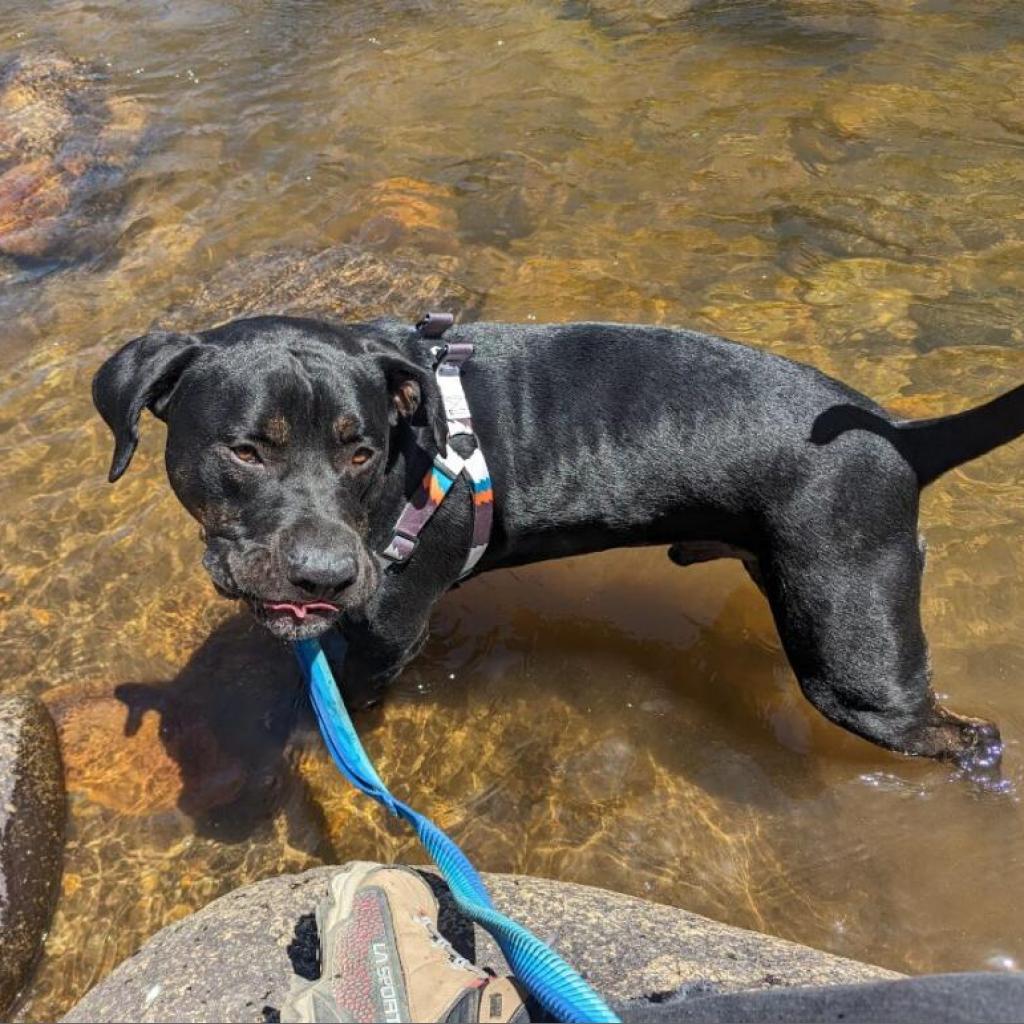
(141, 375)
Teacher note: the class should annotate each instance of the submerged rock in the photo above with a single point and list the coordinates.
(345, 282)
(143, 755)
(65, 149)
(234, 959)
(398, 212)
(31, 836)
(507, 195)
(626, 17)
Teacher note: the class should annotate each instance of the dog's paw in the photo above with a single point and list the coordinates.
(980, 758)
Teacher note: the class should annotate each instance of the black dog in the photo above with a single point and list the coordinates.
(296, 444)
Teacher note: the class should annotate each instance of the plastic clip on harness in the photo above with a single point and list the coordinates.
(551, 981)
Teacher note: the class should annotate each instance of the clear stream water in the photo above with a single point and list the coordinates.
(842, 183)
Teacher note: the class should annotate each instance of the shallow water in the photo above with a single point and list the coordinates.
(839, 182)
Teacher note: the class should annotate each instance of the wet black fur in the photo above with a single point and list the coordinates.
(597, 436)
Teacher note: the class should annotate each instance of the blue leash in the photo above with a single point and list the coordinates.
(552, 982)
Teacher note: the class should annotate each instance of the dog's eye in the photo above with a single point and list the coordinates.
(361, 455)
(247, 454)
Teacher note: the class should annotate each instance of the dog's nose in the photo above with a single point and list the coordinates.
(321, 574)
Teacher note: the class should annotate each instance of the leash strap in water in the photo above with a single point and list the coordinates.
(554, 984)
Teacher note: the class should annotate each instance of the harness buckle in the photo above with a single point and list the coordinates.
(402, 547)
(433, 325)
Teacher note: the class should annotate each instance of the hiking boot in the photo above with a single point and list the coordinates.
(383, 959)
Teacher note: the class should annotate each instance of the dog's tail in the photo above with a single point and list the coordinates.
(935, 446)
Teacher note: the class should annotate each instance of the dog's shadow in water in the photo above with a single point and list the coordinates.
(229, 718)
(226, 720)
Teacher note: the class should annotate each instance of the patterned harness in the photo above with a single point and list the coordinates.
(447, 467)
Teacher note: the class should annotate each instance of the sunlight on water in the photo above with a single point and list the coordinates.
(838, 182)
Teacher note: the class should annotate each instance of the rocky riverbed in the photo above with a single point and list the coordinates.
(66, 148)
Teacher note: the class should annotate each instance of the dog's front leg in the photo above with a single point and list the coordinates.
(379, 646)
(390, 630)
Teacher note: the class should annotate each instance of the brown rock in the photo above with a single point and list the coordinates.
(33, 195)
(131, 774)
(625, 17)
(407, 211)
(64, 149)
(144, 763)
(343, 282)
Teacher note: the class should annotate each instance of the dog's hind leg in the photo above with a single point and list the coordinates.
(846, 601)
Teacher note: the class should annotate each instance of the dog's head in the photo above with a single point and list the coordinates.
(280, 436)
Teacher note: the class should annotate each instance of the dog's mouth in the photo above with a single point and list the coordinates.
(287, 618)
(295, 620)
(300, 610)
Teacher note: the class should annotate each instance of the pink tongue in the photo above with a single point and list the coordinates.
(299, 610)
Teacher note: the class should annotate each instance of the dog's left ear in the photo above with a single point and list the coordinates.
(415, 396)
(141, 375)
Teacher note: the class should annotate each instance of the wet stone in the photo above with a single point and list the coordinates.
(143, 755)
(345, 282)
(234, 959)
(66, 147)
(961, 320)
(626, 17)
(506, 196)
(405, 212)
(31, 836)
(607, 769)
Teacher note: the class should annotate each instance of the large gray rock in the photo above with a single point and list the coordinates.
(234, 959)
(31, 836)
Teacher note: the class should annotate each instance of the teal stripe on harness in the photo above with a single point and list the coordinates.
(554, 984)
